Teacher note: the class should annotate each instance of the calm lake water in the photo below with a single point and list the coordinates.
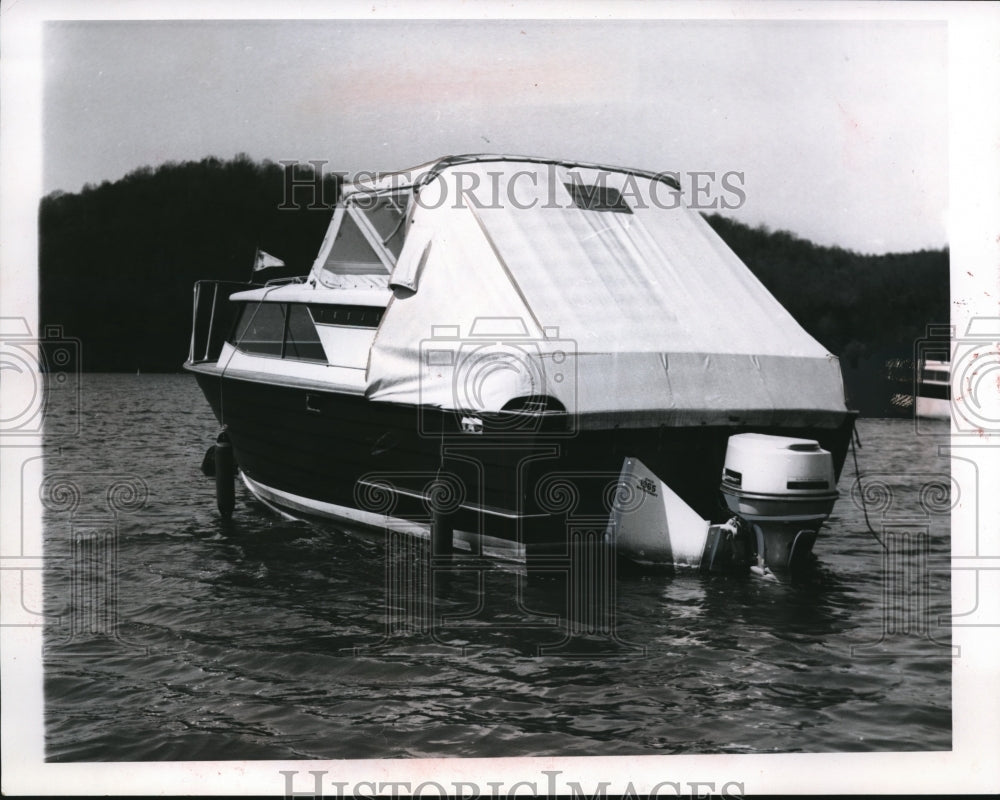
(181, 638)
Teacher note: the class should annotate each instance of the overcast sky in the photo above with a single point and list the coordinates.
(840, 128)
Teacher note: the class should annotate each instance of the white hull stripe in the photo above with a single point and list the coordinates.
(283, 502)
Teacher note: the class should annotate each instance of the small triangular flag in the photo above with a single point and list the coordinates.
(265, 260)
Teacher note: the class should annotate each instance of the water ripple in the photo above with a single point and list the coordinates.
(266, 639)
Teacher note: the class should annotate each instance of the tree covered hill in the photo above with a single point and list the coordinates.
(868, 309)
(118, 262)
(856, 305)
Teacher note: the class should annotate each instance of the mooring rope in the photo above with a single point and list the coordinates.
(861, 489)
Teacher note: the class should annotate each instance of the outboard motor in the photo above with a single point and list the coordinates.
(780, 490)
(783, 489)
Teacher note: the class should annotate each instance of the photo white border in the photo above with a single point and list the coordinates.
(974, 236)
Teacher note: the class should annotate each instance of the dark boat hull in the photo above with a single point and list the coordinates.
(321, 450)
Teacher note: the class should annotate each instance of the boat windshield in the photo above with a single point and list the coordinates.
(368, 241)
(387, 215)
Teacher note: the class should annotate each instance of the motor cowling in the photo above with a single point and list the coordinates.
(784, 489)
(778, 477)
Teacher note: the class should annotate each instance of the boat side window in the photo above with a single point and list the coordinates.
(260, 329)
(302, 341)
(353, 316)
(277, 329)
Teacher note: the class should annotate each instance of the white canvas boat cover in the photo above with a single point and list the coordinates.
(595, 287)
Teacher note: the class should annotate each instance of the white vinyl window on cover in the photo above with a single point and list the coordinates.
(368, 240)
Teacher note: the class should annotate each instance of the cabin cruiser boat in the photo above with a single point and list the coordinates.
(512, 349)
(924, 385)
(932, 398)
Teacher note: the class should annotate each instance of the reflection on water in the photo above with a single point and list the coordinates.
(270, 639)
